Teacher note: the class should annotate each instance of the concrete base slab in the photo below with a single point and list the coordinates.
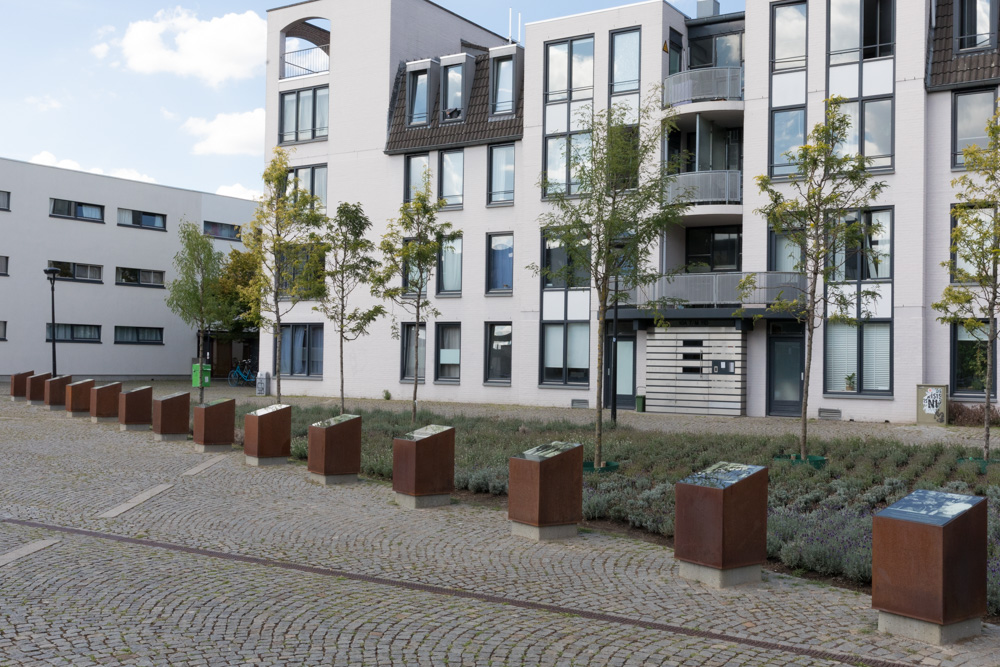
(103, 420)
(422, 502)
(134, 427)
(716, 578)
(18, 399)
(929, 633)
(211, 449)
(332, 480)
(169, 437)
(36, 402)
(260, 462)
(543, 533)
(77, 415)
(56, 408)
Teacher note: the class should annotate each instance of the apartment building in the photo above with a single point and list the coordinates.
(488, 117)
(113, 241)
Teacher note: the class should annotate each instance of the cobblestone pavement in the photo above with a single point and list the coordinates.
(345, 576)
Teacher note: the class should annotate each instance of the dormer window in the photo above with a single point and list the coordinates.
(975, 21)
(417, 102)
(503, 85)
(454, 104)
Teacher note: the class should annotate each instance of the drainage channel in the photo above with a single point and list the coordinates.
(468, 595)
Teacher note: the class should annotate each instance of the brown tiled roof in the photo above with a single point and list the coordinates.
(949, 69)
(477, 128)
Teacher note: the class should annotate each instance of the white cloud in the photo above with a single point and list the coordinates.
(239, 191)
(50, 160)
(99, 51)
(104, 31)
(228, 133)
(167, 114)
(216, 50)
(44, 103)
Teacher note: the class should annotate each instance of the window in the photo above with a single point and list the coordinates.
(501, 174)
(717, 51)
(499, 262)
(676, 51)
(452, 175)
(566, 353)
(554, 258)
(968, 362)
(130, 218)
(305, 115)
(788, 84)
(565, 328)
(785, 255)
(221, 230)
(416, 170)
(74, 333)
(499, 339)
(4, 262)
(448, 352)
(3, 329)
(569, 93)
(971, 112)
(450, 266)
(138, 336)
(62, 208)
(974, 28)
(875, 263)
(4, 200)
(407, 340)
(625, 73)
(141, 277)
(712, 249)
(417, 100)
(503, 85)
(313, 180)
(74, 271)
(453, 106)
(302, 349)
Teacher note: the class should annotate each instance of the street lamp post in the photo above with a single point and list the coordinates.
(51, 274)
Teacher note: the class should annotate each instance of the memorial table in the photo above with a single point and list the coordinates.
(135, 409)
(267, 435)
(170, 416)
(423, 467)
(335, 450)
(545, 491)
(55, 392)
(19, 386)
(215, 425)
(104, 402)
(35, 388)
(720, 524)
(78, 398)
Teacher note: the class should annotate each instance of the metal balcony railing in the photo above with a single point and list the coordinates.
(704, 84)
(707, 187)
(720, 289)
(305, 61)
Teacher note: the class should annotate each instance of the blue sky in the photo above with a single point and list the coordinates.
(171, 93)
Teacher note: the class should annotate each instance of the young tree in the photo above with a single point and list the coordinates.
(195, 295)
(973, 297)
(410, 248)
(620, 214)
(349, 264)
(238, 270)
(287, 257)
(816, 209)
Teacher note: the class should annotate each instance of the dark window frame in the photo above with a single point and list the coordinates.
(440, 180)
(489, 352)
(138, 342)
(72, 338)
(738, 229)
(715, 58)
(139, 282)
(459, 112)
(489, 264)
(72, 270)
(772, 70)
(567, 136)
(4, 265)
(494, 85)
(490, 186)
(958, 36)
(226, 225)
(405, 349)
(955, 153)
(439, 328)
(314, 132)
(75, 214)
(564, 322)
(953, 368)
(408, 174)
(293, 176)
(439, 279)
(136, 214)
(411, 97)
(3, 330)
(311, 328)
(4, 200)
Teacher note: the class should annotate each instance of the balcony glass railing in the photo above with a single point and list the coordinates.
(702, 85)
(720, 289)
(305, 61)
(707, 187)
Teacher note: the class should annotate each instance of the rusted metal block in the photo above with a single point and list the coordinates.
(78, 398)
(267, 435)
(104, 402)
(423, 462)
(19, 385)
(545, 486)
(55, 391)
(335, 447)
(135, 409)
(171, 415)
(214, 425)
(35, 388)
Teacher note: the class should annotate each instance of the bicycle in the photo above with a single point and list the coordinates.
(242, 375)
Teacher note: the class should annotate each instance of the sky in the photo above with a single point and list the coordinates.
(163, 92)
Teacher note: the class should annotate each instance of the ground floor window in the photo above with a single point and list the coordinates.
(411, 364)
(74, 333)
(968, 362)
(449, 352)
(302, 349)
(139, 335)
(499, 340)
(566, 353)
(859, 358)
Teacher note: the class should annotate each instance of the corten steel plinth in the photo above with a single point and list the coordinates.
(929, 566)
(545, 491)
(78, 398)
(55, 392)
(19, 385)
(267, 435)
(35, 388)
(335, 450)
(104, 402)
(423, 467)
(214, 425)
(170, 416)
(720, 524)
(135, 409)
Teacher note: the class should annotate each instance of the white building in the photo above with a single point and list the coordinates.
(746, 87)
(114, 241)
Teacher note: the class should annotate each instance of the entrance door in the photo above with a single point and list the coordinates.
(785, 368)
(626, 372)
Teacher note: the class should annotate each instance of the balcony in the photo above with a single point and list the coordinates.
(720, 289)
(707, 187)
(305, 61)
(704, 85)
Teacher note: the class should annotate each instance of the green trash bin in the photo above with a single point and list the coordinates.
(640, 403)
(201, 375)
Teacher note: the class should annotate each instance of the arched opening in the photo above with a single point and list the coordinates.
(305, 48)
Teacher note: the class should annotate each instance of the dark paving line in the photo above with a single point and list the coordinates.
(481, 597)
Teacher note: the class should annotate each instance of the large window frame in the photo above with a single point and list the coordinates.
(494, 273)
(310, 334)
(967, 41)
(221, 230)
(308, 177)
(306, 108)
(4, 200)
(446, 356)
(713, 41)
(503, 94)
(564, 330)
(562, 130)
(412, 182)
(418, 102)
(498, 354)
(957, 158)
(625, 91)
(133, 277)
(128, 217)
(3, 330)
(793, 66)
(451, 178)
(142, 335)
(449, 86)
(494, 195)
(4, 265)
(78, 272)
(75, 210)
(448, 284)
(957, 330)
(75, 333)
(693, 260)
(406, 349)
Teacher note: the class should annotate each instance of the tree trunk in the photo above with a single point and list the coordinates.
(416, 362)
(342, 362)
(277, 349)
(810, 334)
(989, 384)
(201, 363)
(602, 311)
